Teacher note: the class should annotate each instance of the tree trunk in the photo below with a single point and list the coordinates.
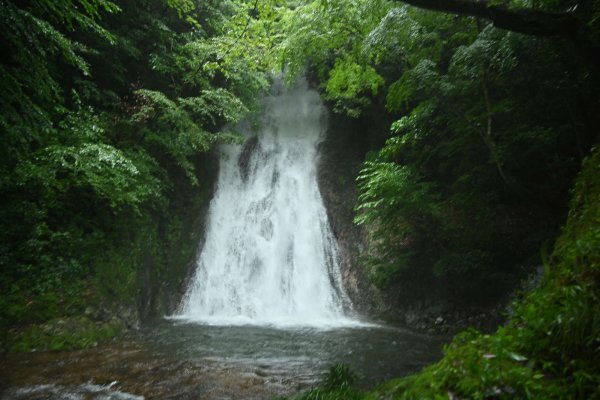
(488, 139)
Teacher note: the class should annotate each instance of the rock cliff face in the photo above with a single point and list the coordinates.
(169, 261)
(415, 300)
(342, 152)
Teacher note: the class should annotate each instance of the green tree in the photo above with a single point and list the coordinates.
(106, 107)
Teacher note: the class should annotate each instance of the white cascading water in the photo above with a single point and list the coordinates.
(270, 257)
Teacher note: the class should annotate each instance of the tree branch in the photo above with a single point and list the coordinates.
(522, 20)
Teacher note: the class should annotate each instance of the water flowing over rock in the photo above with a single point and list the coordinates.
(270, 257)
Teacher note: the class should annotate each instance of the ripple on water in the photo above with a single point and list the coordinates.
(192, 361)
(81, 392)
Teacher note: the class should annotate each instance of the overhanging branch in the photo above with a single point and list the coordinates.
(522, 20)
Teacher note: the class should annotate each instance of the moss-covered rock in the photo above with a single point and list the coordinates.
(63, 333)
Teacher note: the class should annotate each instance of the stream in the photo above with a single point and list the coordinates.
(174, 360)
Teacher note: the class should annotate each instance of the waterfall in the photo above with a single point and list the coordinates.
(270, 257)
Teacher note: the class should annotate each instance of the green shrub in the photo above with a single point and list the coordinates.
(337, 384)
(63, 334)
(550, 349)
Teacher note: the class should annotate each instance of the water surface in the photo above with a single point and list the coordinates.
(376, 352)
(174, 360)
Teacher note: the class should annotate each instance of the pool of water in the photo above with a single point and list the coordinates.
(170, 359)
(376, 352)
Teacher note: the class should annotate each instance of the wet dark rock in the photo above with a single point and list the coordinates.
(417, 299)
(163, 282)
(340, 158)
(244, 161)
(455, 319)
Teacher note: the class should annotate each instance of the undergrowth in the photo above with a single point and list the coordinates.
(63, 334)
(550, 348)
(337, 384)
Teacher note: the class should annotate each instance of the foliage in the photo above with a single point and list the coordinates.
(347, 81)
(31, 91)
(399, 206)
(327, 37)
(469, 131)
(106, 109)
(490, 130)
(493, 123)
(60, 334)
(337, 384)
(550, 347)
